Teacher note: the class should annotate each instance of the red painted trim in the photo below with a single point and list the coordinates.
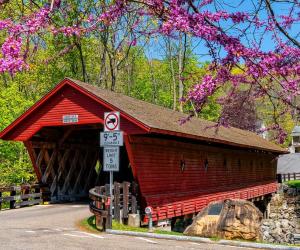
(130, 155)
(197, 203)
(179, 134)
(32, 108)
(108, 105)
(82, 90)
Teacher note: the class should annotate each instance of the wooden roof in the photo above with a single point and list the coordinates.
(166, 121)
(160, 120)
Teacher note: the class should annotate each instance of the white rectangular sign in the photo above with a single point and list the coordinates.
(113, 138)
(112, 121)
(111, 158)
(70, 118)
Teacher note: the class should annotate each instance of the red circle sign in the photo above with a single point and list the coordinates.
(111, 121)
(148, 210)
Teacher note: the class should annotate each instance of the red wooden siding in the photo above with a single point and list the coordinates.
(171, 191)
(66, 101)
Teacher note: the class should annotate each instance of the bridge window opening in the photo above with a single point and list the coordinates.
(225, 163)
(206, 165)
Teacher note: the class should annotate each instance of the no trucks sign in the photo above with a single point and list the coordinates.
(111, 121)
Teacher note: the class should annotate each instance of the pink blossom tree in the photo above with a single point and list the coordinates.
(252, 45)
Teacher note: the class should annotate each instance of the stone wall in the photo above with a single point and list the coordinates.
(284, 217)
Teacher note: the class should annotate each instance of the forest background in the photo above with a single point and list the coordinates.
(159, 70)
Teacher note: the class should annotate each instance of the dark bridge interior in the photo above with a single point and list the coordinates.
(69, 159)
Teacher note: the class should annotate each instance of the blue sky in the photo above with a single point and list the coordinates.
(155, 50)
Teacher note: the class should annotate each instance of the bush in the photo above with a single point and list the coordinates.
(294, 184)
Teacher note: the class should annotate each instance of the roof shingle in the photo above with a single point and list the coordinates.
(161, 120)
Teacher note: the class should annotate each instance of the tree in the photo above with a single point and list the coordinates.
(240, 111)
(233, 35)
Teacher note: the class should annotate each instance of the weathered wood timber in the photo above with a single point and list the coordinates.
(288, 177)
(21, 196)
(78, 186)
(68, 168)
(124, 202)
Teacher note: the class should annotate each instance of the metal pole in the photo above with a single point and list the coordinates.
(150, 229)
(111, 192)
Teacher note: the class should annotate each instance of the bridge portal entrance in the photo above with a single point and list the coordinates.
(69, 160)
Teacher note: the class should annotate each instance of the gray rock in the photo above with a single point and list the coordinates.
(285, 223)
(284, 219)
(267, 223)
(276, 232)
(286, 216)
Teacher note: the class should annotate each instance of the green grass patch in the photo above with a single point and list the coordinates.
(293, 184)
(158, 231)
(215, 239)
(118, 226)
(89, 225)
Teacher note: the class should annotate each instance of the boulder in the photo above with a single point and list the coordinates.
(134, 220)
(229, 219)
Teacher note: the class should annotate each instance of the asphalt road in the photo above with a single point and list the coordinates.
(54, 227)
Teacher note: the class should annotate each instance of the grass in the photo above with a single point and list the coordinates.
(118, 226)
(293, 184)
(88, 224)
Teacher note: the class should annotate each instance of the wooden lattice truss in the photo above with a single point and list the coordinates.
(68, 169)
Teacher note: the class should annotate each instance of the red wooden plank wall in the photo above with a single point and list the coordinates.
(66, 101)
(172, 192)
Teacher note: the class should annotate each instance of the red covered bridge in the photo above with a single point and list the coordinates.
(179, 168)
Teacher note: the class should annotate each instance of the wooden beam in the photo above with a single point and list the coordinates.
(65, 136)
(61, 167)
(96, 156)
(126, 186)
(33, 157)
(49, 169)
(67, 183)
(62, 162)
(40, 157)
(83, 165)
(65, 146)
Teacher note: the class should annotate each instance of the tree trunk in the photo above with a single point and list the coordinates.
(83, 67)
(103, 76)
(154, 83)
(172, 74)
(180, 72)
(113, 71)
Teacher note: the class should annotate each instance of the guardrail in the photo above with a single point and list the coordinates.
(21, 196)
(288, 177)
(99, 206)
(124, 202)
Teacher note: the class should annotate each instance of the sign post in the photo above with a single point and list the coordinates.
(149, 211)
(111, 140)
